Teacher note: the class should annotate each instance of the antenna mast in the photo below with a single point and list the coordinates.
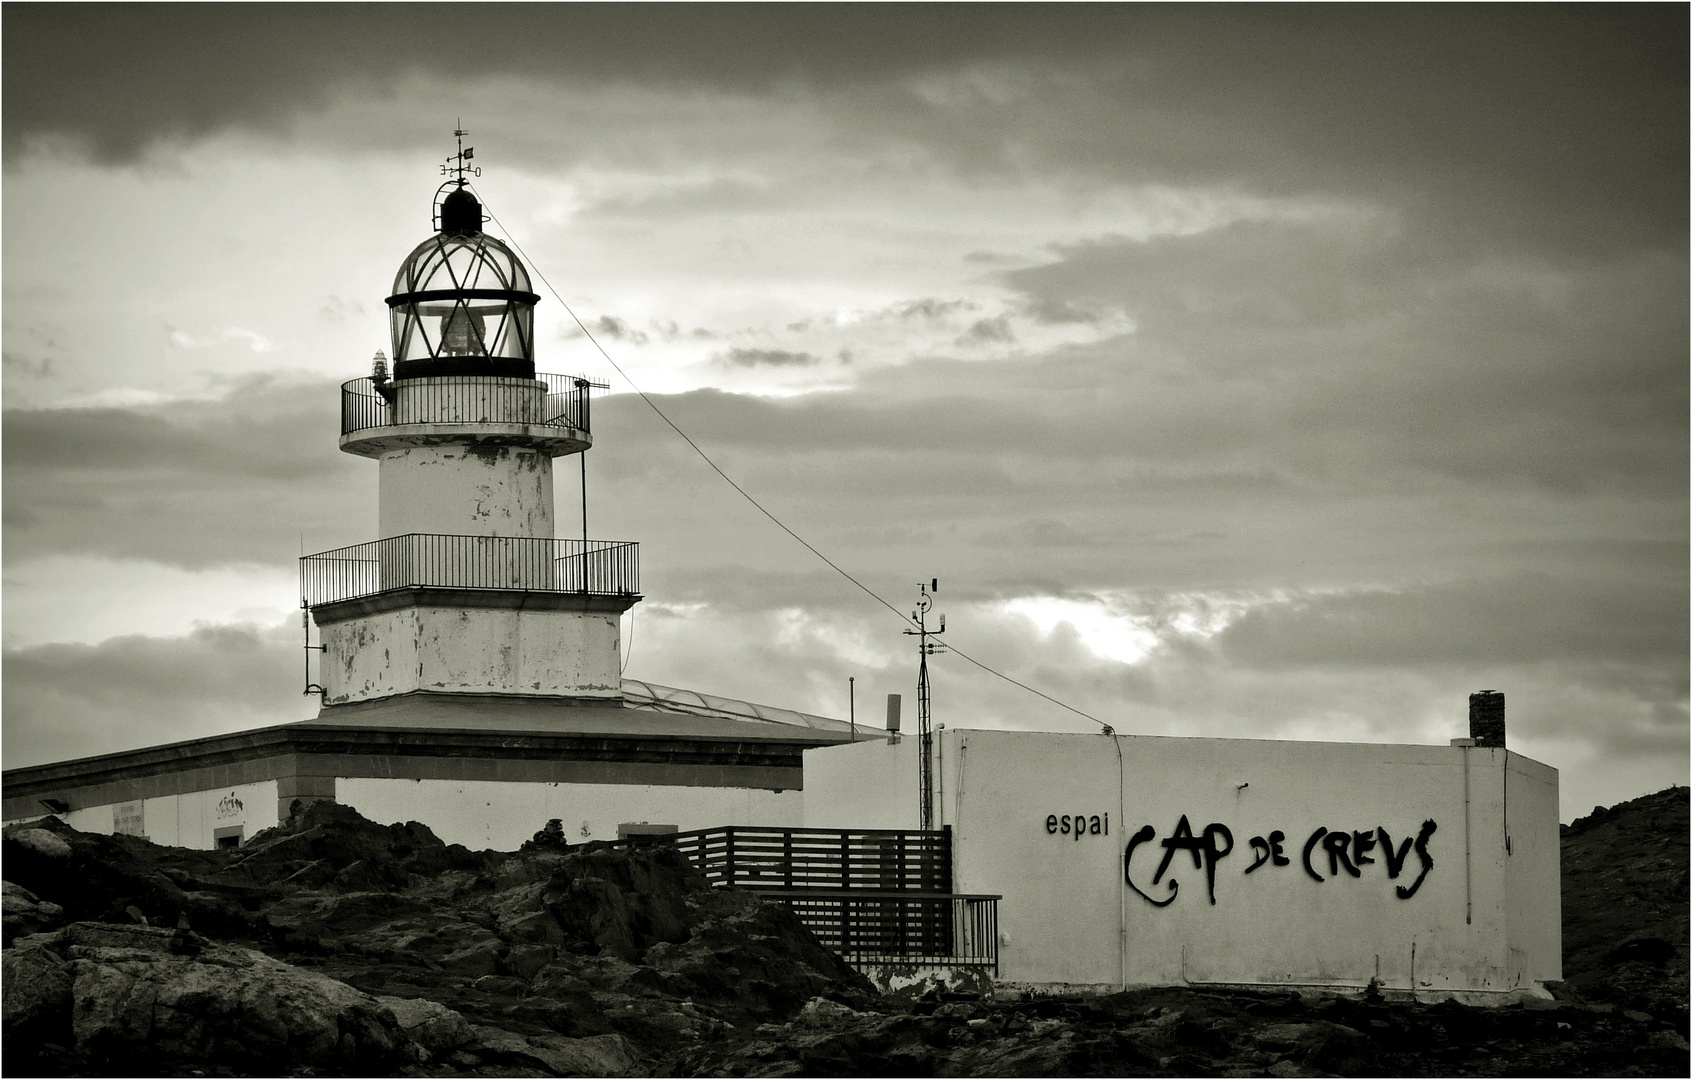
(925, 726)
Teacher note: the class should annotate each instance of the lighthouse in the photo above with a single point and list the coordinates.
(466, 589)
(468, 660)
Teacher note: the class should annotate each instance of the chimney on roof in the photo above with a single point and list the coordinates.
(1486, 718)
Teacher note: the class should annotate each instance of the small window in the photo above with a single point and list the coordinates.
(229, 837)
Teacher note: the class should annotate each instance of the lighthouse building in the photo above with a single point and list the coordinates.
(467, 659)
(467, 590)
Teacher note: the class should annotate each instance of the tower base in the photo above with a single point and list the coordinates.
(472, 641)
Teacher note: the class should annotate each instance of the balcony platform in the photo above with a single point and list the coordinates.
(548, 413)
(463, 564)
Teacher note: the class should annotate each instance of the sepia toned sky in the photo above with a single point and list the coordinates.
(1239, 371)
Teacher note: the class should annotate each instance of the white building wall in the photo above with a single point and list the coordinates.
(90, 819)
(503, 814)
(470, 650)
(1534, 878)
(466, 490)
(1070, 916)
(191, 819)
(867, 785)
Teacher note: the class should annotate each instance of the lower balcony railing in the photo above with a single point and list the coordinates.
(604, 567)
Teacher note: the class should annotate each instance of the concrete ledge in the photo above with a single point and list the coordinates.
(552, 441)
(420, 596)
(306, 758)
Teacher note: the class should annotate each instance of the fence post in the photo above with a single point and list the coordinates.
(904, 948)
(787, 857)
(728, 866)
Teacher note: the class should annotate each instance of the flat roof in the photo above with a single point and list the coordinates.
(544, 716)
(471, 725)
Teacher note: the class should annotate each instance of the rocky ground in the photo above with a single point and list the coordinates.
(335, 946)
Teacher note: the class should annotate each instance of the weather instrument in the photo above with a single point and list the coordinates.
(925, 726)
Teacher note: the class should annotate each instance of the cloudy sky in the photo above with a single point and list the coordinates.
(1260, 372)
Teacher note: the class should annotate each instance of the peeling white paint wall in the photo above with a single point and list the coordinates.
(472, 651)
(466, 489)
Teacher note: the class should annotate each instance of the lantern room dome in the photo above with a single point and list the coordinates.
(462, 302)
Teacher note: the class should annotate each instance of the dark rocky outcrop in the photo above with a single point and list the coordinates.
(169, 1000)
(383, 950)
(335, 945)
(1625, 908)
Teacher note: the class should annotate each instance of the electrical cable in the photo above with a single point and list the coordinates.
(747, 495)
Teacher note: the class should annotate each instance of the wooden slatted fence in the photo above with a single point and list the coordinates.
(875, 896)
(758, 857)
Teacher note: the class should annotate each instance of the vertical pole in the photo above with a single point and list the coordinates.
(852, 704)
(1468, 874)
(925, 737)
(925, 733)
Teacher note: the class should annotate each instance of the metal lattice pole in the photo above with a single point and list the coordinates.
(925, 725)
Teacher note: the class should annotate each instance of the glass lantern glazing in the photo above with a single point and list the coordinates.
(462, 305)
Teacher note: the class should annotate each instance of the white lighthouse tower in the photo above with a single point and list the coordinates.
(466, 590)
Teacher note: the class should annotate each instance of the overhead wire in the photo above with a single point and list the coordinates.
(808, 546)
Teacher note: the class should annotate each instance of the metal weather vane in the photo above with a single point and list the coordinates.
(458, 165)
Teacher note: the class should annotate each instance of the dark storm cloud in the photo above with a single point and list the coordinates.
(121, 76)
(1559, 125)
(609, 326)
(1286, 352)
(1559, 128)
(193, 483)
(1501, 621)
(66, 701)
(994, 331)
(186, 437)
(754, 358)
(1339, 351)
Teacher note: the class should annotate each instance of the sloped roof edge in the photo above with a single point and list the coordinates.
(639, 694)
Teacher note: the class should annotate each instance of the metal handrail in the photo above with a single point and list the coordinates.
(436, 560)
(561, 401)
(868, 926)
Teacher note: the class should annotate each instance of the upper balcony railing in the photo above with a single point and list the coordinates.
(559, 401)
(531, 564)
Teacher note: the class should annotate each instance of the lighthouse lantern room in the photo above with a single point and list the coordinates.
(467, 591)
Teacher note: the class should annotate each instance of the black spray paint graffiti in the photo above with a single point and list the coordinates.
(1360, 843)
(1203, 849)
(1348, 851)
